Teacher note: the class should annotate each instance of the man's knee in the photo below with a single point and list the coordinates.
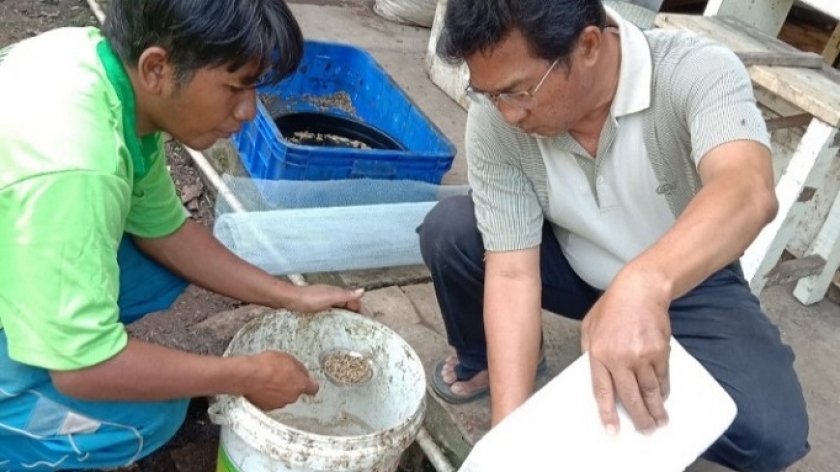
(163, 425)
(134, 435)
(445, 228)
(769, 434)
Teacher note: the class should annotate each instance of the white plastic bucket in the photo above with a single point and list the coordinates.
(344, 428)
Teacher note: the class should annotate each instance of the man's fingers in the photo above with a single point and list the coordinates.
(584, 338)
(355, 305)
(663, 375)
(352, 299)
(629, 392)
(311, 387)
(651, 391)
(602, 388)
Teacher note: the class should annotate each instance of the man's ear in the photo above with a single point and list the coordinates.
(154, 71)
(589, 45)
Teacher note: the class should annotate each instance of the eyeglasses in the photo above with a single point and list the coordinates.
(521, 99)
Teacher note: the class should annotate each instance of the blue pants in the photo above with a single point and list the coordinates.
(43, 430)
(720, 323)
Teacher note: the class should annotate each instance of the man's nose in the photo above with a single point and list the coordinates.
(246, 109)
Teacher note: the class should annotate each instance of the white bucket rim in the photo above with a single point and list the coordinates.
(250, 421)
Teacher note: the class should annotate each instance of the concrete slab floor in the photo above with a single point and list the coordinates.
(410, 308)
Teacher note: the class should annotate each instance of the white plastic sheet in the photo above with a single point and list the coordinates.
(558, 429)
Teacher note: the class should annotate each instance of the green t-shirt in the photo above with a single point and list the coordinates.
(72, 183)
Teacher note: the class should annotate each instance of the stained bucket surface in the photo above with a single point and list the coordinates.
(363, 417)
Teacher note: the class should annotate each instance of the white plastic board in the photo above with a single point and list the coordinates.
(558, 429)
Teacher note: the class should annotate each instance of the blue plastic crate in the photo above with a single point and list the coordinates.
(328, 76)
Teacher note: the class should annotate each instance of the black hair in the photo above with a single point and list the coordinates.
(551, 27)
(208, 33)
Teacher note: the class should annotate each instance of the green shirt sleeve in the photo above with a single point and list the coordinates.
(60, 284)
(156, 210)
(60, 279)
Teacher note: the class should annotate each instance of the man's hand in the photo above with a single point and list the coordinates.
(314, 298)
(279, 379)
(627, 334)
(148, 372)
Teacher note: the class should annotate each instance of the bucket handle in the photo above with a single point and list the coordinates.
(218, 410)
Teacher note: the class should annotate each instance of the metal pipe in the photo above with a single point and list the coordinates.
(433, 452)
(215, 180)
(97, 10)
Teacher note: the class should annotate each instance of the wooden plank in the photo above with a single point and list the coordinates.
(804, 60)
(793, 121)
(816, 211)
(712, 28)
(808, 89)
(770, 42)
(795, 269)
(814, 91)
(805, 35)
(813, 289)
(774, 102)
(764, 15)
(832, 47)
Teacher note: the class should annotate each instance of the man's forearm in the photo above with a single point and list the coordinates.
(512, 319)
(148, 372)
(194, 253)
(715, 229)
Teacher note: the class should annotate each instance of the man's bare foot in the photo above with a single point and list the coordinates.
(463, 388)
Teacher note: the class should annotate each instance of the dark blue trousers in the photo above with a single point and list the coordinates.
(720, 323)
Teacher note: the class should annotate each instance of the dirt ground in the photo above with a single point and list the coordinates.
(21, 19)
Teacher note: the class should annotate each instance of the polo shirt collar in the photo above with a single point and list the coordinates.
(142, 150)
(635, 79)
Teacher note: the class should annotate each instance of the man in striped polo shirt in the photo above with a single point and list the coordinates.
(617, 176)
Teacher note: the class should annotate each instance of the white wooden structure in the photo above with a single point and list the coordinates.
(767, 16)
(815, 93)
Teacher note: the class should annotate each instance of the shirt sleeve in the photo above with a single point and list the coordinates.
(716, 94)
(156, 210)
(506, 205)
(60, 280)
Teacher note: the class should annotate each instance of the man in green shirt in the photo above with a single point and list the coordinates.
(93, 232)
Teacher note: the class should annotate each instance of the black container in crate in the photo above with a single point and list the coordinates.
(342, 81)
